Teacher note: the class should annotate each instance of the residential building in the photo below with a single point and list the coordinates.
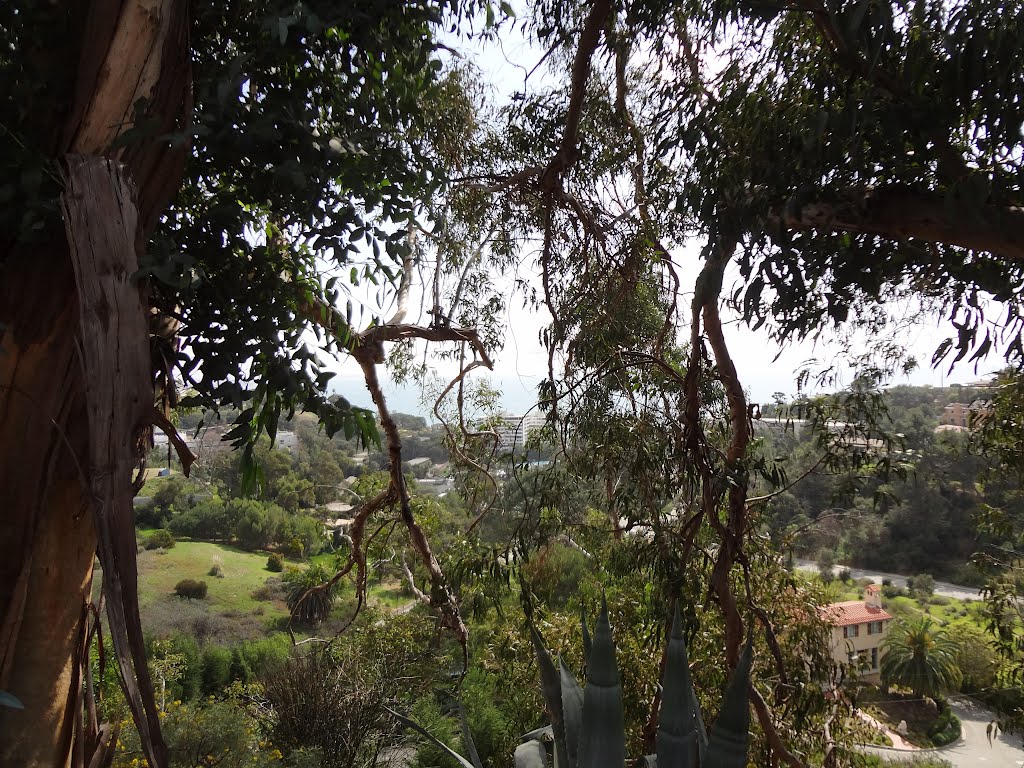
(514, 431)
(859, 628)
(963, 415)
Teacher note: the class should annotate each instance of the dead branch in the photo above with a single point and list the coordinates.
(442, 597)
(185, 455)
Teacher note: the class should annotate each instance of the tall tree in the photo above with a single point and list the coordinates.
(922, 657)
(176, 179)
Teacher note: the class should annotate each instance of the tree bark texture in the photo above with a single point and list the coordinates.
(75, 381)
(47, 538)
(101, 221)
(899, 212)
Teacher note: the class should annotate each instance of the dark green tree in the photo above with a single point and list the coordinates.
(922, 657)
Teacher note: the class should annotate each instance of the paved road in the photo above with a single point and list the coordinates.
(944, 588)
(974, 750)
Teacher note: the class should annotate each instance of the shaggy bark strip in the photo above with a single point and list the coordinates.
(101, 222)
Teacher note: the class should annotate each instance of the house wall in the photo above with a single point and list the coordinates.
(861, 645)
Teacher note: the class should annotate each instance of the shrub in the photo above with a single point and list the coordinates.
(221, 728)
(950, 731)
(148, 516)
(190, 589)
(275, 562)
(216, 570)
(332, 704)
(161, 539)
(844, 575)
(923, 584)
(886, 582)
(216, 663)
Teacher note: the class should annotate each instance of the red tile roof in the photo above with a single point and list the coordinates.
(853, 612)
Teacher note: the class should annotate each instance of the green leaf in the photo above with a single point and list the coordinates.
(551, 685)
(681, 737)
(430, 737)
(572, 713)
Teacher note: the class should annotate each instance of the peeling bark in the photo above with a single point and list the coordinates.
(101, 221)
(57, 380)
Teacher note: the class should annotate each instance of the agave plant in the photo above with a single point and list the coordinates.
(587, 725)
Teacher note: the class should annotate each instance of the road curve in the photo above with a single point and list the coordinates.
(944, 588)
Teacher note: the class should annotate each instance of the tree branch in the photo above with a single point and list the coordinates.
(900, 212)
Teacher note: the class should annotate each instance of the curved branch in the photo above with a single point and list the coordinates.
(771, 733)
(441, 596)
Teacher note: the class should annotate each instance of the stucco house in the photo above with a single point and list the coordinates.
(858, 629)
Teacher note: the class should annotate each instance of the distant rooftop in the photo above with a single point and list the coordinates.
(853, 612)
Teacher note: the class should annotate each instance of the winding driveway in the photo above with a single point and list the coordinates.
(974, 750)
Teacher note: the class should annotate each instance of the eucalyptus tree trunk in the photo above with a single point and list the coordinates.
(75, 383)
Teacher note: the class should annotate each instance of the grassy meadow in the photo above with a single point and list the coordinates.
(243, 603)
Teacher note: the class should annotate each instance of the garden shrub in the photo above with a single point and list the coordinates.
(191, 589)
(216, 570)
(275, 562)
(946, 728)
(216, 669)
(949, 734)
(161, 539)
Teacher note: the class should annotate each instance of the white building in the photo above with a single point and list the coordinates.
(514, 431)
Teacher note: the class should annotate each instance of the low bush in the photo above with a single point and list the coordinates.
(190, 589)
(216, 570)
(946, 728)
(949, 734)
(161, 539)
(845, 575)
(275, 562)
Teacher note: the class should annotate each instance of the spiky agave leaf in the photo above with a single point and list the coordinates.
(531, 754)
(431, 737)
(572, 713)
(551, 686)
(730, 735)
(681, 738)
(603, 741)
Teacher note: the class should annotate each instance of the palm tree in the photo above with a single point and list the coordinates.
(921, 658)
